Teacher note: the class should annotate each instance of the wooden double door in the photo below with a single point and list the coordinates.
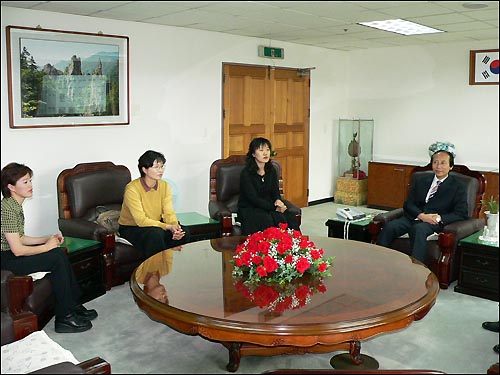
(270, 102)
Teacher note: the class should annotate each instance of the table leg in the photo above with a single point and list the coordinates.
(234, 356)
(354, 360)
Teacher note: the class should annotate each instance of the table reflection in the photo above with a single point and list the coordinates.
(150, 272)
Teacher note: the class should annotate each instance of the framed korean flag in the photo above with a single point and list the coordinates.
(483, 67)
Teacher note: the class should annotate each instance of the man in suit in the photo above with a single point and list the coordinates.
(428, 208)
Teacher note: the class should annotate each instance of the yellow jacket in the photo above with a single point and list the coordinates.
(151, 208)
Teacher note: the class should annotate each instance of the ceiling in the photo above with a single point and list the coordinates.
(326, 24)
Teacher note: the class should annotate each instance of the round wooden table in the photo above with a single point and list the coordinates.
(372, 290)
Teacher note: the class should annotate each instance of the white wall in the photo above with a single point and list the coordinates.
(175, 97)
(418, 95)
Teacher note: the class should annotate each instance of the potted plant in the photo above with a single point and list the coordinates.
(491, 213)
(491, 204)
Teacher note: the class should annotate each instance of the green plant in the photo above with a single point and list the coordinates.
(491, 204)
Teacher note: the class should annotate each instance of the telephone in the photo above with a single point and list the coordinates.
(350, 214)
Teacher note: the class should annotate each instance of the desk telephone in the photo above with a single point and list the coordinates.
(350, 214)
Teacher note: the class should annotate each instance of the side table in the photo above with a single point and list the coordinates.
(86, 260)
(478, 269)
(356, 230)
(200, 227)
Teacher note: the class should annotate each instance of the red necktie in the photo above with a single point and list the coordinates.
(434, 189)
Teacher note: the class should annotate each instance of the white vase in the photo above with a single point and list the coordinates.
(491, 224)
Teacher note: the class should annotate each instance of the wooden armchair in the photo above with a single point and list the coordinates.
(441, 256)
(80, 191)
(225, 191)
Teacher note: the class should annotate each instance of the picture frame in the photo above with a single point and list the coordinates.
(483, 67)
(62, 78)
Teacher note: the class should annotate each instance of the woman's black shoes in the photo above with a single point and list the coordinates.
(72, 323)
(491, 326)
(83, 312)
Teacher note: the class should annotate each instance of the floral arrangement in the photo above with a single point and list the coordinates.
(281, 297)
(278, 255)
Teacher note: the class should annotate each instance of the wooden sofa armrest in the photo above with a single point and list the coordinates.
(95, 365)
(19, 288)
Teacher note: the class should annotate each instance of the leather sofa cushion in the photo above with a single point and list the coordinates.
(86, 191)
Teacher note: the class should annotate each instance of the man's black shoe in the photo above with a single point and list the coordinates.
(491, 326)
(495, 348)
(72, 323)
(83, 312)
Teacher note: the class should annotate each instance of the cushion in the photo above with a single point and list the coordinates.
(32, 353)
(109, 220)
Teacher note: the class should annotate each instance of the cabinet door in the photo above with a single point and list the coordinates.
(387, 185)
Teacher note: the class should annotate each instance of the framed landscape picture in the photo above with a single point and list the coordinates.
(64, 78)
(483, 67)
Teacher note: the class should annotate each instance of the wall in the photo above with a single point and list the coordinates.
(175, 96)
(418, 95)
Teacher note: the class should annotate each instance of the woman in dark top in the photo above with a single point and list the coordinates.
(260, 205)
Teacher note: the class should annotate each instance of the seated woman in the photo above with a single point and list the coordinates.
(147, 218)
(22, 254)
(260, 205)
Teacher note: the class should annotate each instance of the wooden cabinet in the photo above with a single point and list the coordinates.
(86, 260)
(387, 184)
(478, 271)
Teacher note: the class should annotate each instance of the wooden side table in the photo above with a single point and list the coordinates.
(86, 260)
(478, 269)
(357, 230)
(200, 227)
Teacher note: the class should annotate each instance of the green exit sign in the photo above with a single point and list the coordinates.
(271, 52)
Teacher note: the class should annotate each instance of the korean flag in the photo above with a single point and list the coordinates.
(486, 67)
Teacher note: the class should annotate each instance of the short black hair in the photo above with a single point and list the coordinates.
(11, 173)
(148, 158)
(452, 158)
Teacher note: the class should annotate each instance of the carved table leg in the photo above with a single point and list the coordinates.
(354, 360)
(234, 356)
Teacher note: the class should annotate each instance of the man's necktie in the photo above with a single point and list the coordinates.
(434, 189)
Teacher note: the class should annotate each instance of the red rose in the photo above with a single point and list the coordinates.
(261, 271)
(315, 254)
(264, 295)
(322, 267)
(270, 264)
(256, 259)
(302, 265)
(302, 292)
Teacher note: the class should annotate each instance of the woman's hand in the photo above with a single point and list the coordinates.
(54, 241)
(280, 206)
(177, 232)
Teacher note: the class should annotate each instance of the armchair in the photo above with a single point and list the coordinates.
(225, 191)
(442, 257)
(17, 322)
(80, 191)
(28, 304)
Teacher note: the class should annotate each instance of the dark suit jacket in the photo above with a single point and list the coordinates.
(450, 200)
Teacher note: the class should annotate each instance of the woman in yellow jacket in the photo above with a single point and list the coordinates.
(147, 218)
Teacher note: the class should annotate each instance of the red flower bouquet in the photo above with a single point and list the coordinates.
(278, 255)
(280, 297)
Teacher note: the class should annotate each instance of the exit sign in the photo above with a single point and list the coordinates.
(272, 52)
